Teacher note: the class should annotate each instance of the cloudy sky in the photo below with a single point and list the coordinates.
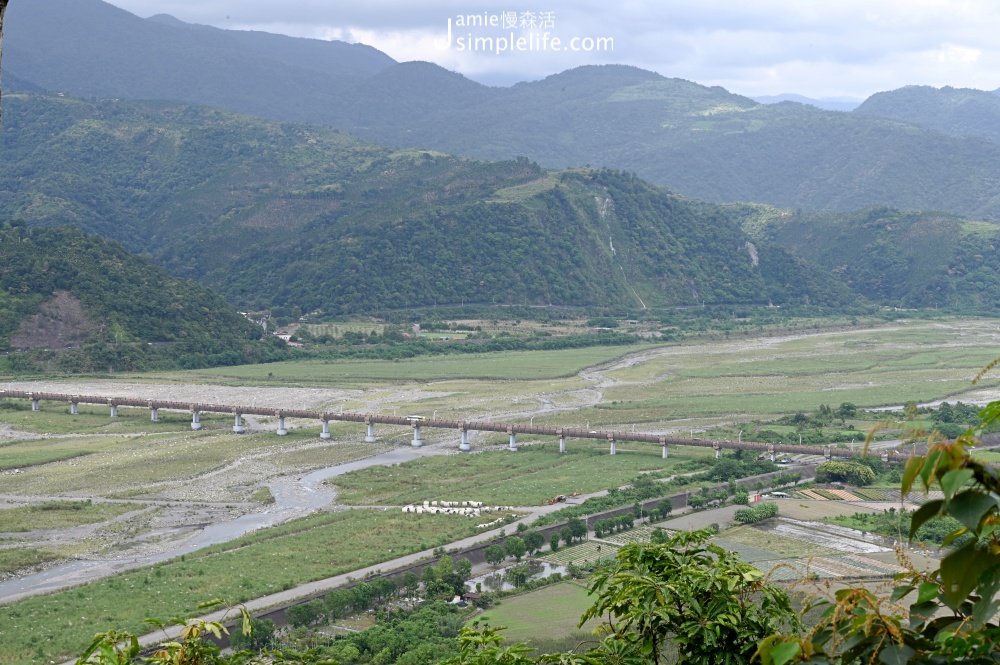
(818, 48)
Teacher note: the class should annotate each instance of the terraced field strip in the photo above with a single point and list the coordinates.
(871, 495)
(747, 552)
(878, 566)
(846, 496)
(579, 554)
(809, 494)
(641, 534)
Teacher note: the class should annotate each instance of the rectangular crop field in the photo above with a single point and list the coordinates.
(528, 477)
(550, 612)
(580, 553)
(515, 365)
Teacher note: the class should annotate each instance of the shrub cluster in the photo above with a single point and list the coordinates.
(848, 472)
(757, 513)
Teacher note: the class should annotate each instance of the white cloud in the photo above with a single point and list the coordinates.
(848, 47)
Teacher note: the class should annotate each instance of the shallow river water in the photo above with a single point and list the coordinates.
(293, 497)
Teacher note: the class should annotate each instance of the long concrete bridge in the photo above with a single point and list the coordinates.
(417, 423)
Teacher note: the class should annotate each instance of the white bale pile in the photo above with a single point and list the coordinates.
(447, 508)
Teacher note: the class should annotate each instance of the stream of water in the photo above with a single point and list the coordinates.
(293, 497)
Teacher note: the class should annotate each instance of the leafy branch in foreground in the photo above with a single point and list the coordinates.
(191, 646)
(952, 614)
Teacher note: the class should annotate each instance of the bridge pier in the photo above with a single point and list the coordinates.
(417, 442)
(464, 445)
(195, 420)
(35, 406)
(114, 410)
(74, 408)
(562, 444)
(770, 453)
(614, 446)
(513, 442)
(154, 414)
(718, 450)
(325, 434)
(238, 424)
(370, 436)
(282, 431)
(663, 444)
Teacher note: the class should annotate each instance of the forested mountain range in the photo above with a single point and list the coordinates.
(953, 111)
(893, 257)
(62, 288)
(286, 214)
(702, 142)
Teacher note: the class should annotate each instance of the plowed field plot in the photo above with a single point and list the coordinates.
(641, 534)
(829, 567)
(839, 538)
(748, 552)
(779, 545)
(802, 509)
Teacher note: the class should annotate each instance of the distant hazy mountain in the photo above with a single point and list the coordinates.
(825, 103)
(284, 214)
(954, 111)
(88, 47)
(703, 142)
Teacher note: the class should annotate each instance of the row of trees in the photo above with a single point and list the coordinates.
(441, 581)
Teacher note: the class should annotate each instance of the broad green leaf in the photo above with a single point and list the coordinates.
(930, 467)
(784, 652)
(952, 481)
(990, 413)
(910, 472)
(899, 592)
(924, 514)
(897, 654)
(928, 591)
(970, 507)
(960, 572)
(954, 535)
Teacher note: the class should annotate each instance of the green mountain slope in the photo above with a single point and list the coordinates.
(280, 214)
(899, 258)
(60, 287)
(702, 142)
(954, 111)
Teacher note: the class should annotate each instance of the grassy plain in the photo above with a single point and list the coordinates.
(60, 515)
(60, 625)
(15, 558)
(516, 365)
(551, 612)
(528, 477)
(134, 466)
